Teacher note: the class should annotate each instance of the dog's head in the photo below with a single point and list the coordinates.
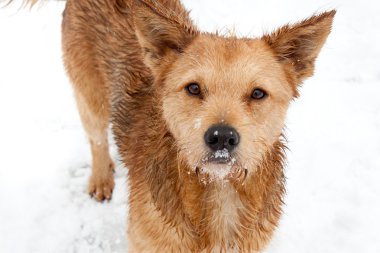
(224, 99)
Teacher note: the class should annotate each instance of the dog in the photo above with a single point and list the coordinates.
(197, 118)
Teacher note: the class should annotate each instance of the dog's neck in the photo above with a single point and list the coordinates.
(226, 212)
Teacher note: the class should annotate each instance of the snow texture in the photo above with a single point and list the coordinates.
(212, 172)
(333, 171)
(222, 153)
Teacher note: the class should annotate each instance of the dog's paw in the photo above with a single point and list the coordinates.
(101, 187)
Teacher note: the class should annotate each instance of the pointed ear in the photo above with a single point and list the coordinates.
(297, 46)
(161, 31)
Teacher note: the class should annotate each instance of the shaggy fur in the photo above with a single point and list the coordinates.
(130, 63)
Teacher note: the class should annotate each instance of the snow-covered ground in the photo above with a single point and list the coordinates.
(333, 200)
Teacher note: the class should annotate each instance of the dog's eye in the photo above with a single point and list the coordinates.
(193, 89)
(258, 94)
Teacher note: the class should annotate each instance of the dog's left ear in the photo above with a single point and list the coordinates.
(297, 46)
(161, 31)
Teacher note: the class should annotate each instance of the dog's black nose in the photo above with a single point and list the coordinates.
(219, 137)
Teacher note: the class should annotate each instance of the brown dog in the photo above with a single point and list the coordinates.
(197, 118)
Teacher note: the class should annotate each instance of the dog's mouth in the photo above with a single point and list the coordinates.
(220, 165)
(220, 157)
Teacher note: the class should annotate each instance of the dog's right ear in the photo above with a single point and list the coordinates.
(161, 31)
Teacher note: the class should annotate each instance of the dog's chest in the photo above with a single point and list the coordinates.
(224, 220)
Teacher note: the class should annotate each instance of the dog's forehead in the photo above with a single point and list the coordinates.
(231, 63)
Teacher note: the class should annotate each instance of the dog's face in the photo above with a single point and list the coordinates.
(225, 99)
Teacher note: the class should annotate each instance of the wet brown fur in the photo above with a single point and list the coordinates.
(129, 62)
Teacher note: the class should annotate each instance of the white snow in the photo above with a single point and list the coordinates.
(333, 171)
(222, 153)
(212, 172)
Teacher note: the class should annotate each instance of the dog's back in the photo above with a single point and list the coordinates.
(102, 56)
(99, 42)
